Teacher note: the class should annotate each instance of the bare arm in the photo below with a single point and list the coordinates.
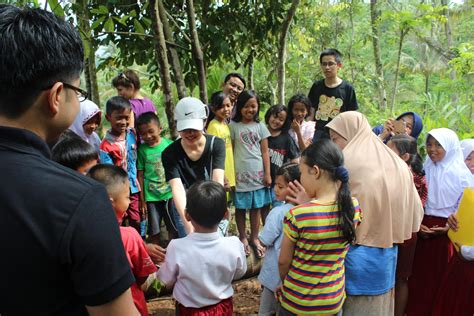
(141, 181)
(120, 306)
(218, 176)
(267, 180)
(311, 114)
(179, 198)
(286, 256)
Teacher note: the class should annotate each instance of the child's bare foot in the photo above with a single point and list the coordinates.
(258, 249)
(246, 246)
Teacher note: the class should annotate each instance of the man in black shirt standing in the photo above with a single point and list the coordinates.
(61, 248)
(331, 95)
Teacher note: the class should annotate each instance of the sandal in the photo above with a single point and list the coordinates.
(246, 247)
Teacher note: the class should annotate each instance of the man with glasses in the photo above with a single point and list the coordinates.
(331, 95)
(60, 239)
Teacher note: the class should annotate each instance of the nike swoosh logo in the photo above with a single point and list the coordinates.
(186, 114)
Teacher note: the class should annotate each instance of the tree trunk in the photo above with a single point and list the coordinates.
(162, 57)
(282, 51)
(449, 41)
(90, 69)
(397, 71)
(374, 15)
(173, 54)
(197, 51)
(250, 71)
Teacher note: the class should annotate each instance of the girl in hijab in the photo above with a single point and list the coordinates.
(447, 176)
(86, 123)
(467, 147)
(411, 121)
(391, 212)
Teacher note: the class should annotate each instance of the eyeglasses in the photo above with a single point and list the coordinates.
(82, 95)
(328, 64)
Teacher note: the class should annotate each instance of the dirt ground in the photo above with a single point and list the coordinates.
(246, 300)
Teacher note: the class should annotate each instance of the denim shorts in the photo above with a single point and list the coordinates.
(164, 210)
(252, 199)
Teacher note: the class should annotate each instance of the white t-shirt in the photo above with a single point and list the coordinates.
(202, 267)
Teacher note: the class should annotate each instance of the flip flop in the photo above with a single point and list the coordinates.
(246, 247)
(258, 251)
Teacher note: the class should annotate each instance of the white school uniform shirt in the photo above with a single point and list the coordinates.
(468, 252)
(447, 178)
(201, 267)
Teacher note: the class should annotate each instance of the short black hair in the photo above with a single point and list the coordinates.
(236, 75)
(298, 98)
(112, 177)
(127, 78)
(148, 117)
(117, 103)
(275, 110)
(206, 203)
(331, 52)
(37, 49)
(73, 152)
(290, 171)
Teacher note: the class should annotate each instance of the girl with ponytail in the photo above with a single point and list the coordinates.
(317, 235)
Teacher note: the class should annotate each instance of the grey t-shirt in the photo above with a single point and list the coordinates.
(248, 160)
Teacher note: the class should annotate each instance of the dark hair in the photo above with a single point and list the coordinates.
(206, 203)
(127, 78)
(407, 145)
(109, 175)
(217, 102)
(242, 100)
(73, 152)
(275, 110)
(327, 156)
(148, 117)
(290, 172)
(37, 50)
(298, 98)
(331, 52)
(117, 103)
(236, 75)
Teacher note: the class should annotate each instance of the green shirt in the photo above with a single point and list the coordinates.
(149, 161)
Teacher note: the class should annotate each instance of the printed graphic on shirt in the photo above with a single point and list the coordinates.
(329, 107)
(249, 177)
(250, 139)
(161, 186)
(277, 156)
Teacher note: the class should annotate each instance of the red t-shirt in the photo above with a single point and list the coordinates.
(140, 263)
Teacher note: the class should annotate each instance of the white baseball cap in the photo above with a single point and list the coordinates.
(190, 113)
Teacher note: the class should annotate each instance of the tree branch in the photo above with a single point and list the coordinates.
(139, 34)
(186, 37)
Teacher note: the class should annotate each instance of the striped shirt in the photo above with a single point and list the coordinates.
(315, 282)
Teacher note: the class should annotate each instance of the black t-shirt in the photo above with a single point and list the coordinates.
(61, 246)
(329, 102)
(178, 165)
(281, 149)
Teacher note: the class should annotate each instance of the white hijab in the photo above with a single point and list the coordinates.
(467, 147)
(88, 110)
(447, 178)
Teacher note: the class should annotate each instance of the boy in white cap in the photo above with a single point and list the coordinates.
(194, 156)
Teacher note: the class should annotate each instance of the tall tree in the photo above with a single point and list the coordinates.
(197, 51)
(173, 54)
(374, 16)
(161, 54)
(282, 51)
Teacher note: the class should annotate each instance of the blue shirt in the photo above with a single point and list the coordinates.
(370, 270)
(271, 236)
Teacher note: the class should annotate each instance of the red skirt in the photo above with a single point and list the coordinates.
(223, 308)
(432, 257)
(456, 294)
(406, 256)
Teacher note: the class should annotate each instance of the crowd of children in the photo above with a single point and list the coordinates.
(353, 221)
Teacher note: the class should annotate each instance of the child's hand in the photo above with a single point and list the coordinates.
(226, 185)
(440, 230)
(267, 180)
(297, 194)
(453, 222)
(156, 253)
(142, 206)
(425, 232)
(278, 292)
(308, 142)
(296, 126)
